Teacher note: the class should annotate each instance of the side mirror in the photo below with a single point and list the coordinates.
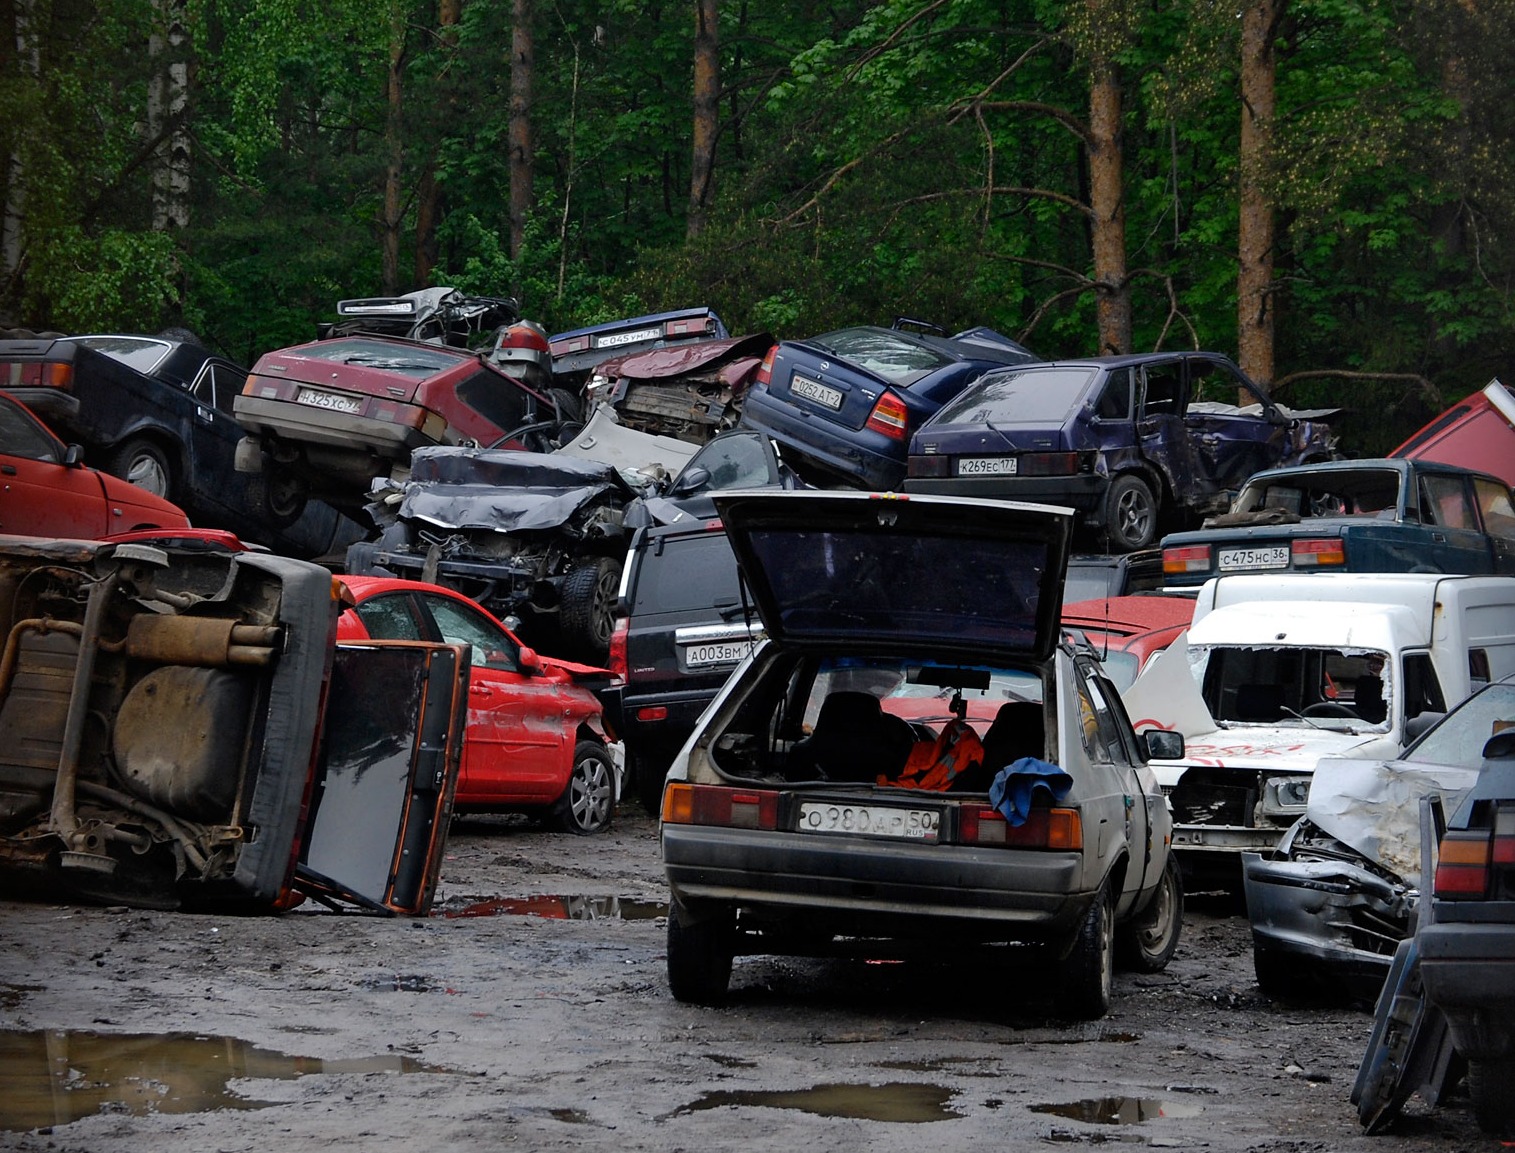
(529, 661)
(1163, 744)
(73, 456)
(691, 480)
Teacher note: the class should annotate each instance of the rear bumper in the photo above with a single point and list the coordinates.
(1468, 971)
(665, 735)
(878, 468)
(341, 430)
(871, 886)
(1084, 492)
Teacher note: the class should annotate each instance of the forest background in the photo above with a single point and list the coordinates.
(1323, 188)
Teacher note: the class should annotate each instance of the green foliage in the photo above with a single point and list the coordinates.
(132, 277)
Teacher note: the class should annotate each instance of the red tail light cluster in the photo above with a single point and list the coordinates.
(715, 805)
(1043, 829)
(616, 661)
(890, 416)
(1473, 862)
(40, 374)
(1317, 553)
(765, 370)
(1191, 558)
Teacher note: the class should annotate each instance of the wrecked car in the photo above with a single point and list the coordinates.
(1130, 442)
(439, 315)
(804, 816)
(690, 391)
(1477, 432)
(575, 354)
(535, 741)
(1277, 672)
(1353, 516)
(181, 731)
(536, 536)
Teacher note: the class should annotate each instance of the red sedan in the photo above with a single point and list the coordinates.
(535, 739)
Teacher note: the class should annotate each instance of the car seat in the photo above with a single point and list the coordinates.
(1017, 731)
(1367, 699)
(853, 740)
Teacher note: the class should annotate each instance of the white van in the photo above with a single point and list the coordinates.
(1279, 671)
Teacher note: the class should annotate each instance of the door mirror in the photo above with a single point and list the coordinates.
(1163, 744)
(73, 456)
(529, 661)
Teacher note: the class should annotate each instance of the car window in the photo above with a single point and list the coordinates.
(1446, 499)
(1162, 389)
(1114, 401)
(218, 385)
(20, 436)
(1211, 381)
(413, 360)
(1022, 396)
(685, 573)
(887, 354)
(458, 624)
(1495, 506)
(1459, 739)
(498, 400)
(140, 352)
(735, 462)
(389, 618)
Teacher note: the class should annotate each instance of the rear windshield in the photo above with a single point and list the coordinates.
(135, 352)
(417, 360)
(685, 574)
(1369, 492)
(896, 358)
(1019, 396)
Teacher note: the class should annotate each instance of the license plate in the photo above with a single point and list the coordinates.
(816, 391)
(328, 400)
(908, 824)
(724, 653)
(616, 339)
(1274, 556)
(986, 466)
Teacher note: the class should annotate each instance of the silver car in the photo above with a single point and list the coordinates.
(916, 759)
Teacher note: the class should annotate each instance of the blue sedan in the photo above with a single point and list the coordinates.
(846, 403)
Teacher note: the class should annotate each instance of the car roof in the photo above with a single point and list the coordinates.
(1400, 465)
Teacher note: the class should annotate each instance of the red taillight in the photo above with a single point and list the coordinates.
(1504, 836)
(38, 374)
(889, 416)
(929, 465)
(714, 805)
(1190, 558)
(1314, 553)
(1047, 464)
(1044, 829)
(653, 713)
(616, 661)
(765, 370)
(1462, 867)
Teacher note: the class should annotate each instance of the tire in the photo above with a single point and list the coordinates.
(1130, 513)
(1489, 1086)
(570, 408)
(588, 801)
(284, 495)
(700, 954)
(587, 614)
(1083, 992)
(142, 463)
(1147, 942)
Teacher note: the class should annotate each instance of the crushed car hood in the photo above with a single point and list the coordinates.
(863, 569)
(679, 359)
(501, 489)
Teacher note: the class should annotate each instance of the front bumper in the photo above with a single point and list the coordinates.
(1328, 916)
(880, 887)
(1468, 972)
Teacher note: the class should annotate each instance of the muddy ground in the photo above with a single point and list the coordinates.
(531, 1011)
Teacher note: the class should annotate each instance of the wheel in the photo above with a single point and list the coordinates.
(1084, 985)
(570, 408)
(1489, 1085)
(284, 495)
(588, 800)
(1130, 513)
(144, 464)
(1147, 942)
(699, 954)
(587, 614)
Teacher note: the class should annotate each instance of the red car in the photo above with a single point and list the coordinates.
(1129, 631)
(46, 490)
(535, 739)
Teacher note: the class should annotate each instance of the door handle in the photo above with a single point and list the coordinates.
(8, 469)
(480, 691)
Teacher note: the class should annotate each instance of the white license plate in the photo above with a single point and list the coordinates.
(616, 339)
(328, 400)
(986, 466)
(724, 653)
(910, 824)
(816, 391)
(1274, 556)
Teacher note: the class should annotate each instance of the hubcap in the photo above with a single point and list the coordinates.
(591, 793)
(147, 473)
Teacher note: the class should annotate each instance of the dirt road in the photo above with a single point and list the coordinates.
(531, 1011)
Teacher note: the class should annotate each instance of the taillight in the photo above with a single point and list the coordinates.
(715, 805)
(38, 374)
(889, 416)
(616, 661)
(765, 370)
(1043, 829)
(1462, 867)
(932, 465)
(1190, 558)
(1047, 464)
(1314, 553)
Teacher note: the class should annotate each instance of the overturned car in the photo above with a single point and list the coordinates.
(166, 740)
(536, 536)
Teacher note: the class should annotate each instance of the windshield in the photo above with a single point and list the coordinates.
(1459, 739)
(1320, 688)
(138, 352)
(1368, 492)
(895, 357)
(1019, 396)
(419, 361)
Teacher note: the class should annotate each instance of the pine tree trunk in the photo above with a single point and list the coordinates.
(1255, 229)
(30, 66)
(1108, 204)
(707, 92)
(395, 154)
(521, 64)
(429, 192)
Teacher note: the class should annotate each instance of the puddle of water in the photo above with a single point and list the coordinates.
(571, 1116)
(401, 983)
(52, 1077)
(906, 1101)
(566, 908)
(1119, 1110)
(730, 1062)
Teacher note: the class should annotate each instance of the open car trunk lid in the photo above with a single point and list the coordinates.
(873, 569)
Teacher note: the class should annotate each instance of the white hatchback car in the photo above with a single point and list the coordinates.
(915, 757)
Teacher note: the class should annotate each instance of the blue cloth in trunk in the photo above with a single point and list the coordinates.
(1016, 784)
